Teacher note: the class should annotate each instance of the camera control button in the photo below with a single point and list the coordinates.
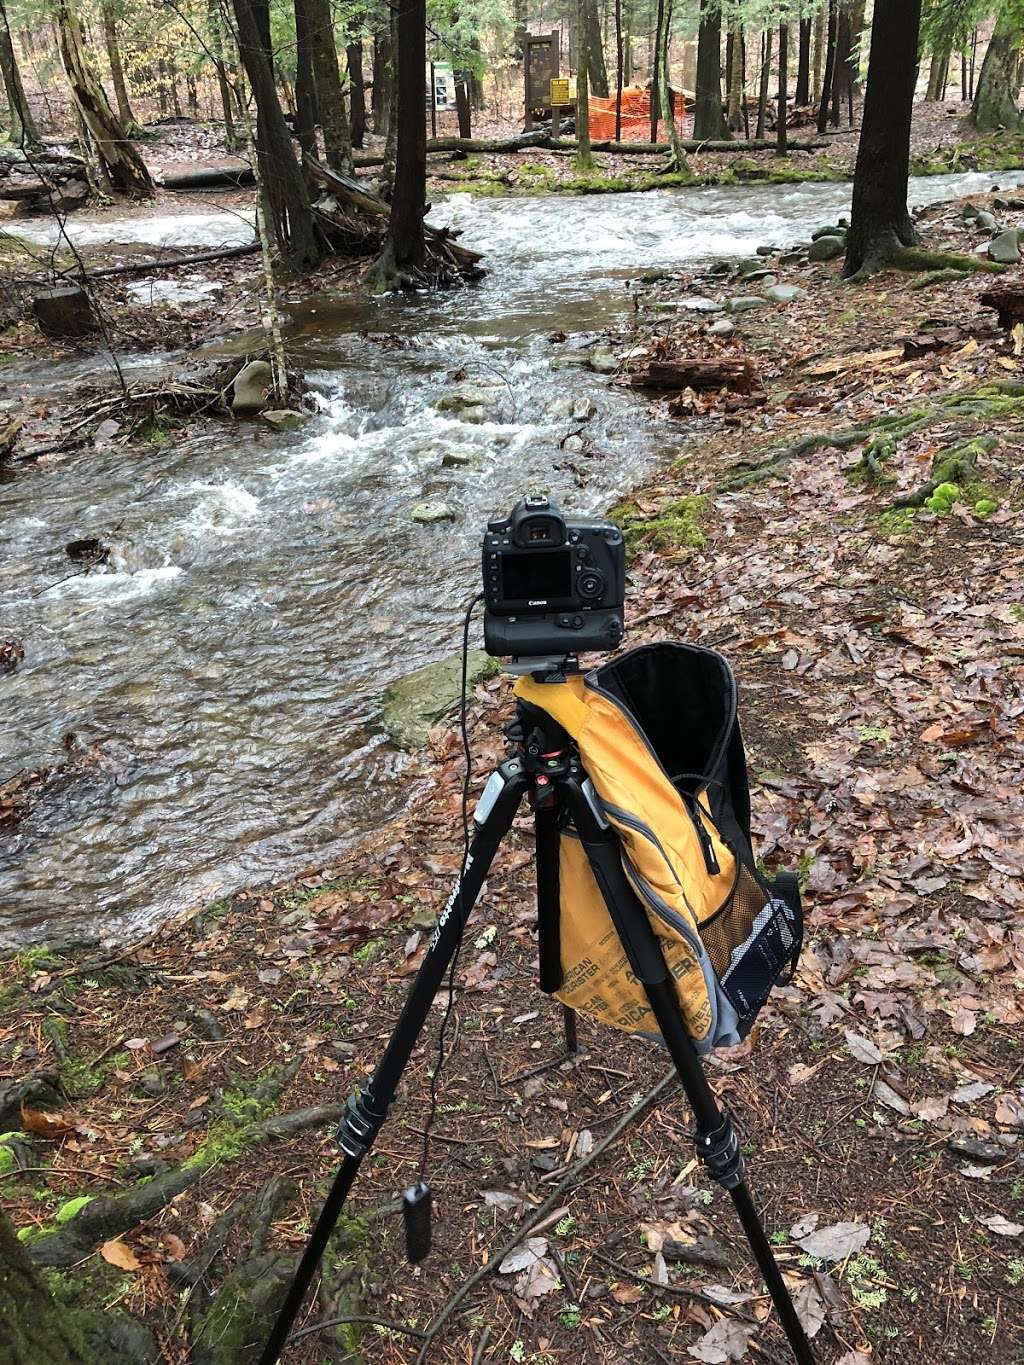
(577, 622)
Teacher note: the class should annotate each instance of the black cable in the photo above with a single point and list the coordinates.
(466, 777)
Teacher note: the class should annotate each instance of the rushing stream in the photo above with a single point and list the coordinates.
(265, 587)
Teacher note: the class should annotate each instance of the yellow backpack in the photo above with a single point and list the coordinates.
(659, 739)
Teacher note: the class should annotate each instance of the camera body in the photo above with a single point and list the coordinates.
(552, 586)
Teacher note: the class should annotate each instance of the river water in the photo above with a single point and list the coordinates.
(265, 587)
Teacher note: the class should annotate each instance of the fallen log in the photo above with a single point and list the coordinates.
(173, 262)
(739, 376)
(211, 178)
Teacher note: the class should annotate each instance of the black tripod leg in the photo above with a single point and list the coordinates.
(717, 1144)
(545, 821)
(368, 1108)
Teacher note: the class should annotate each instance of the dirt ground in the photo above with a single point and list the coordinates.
(878, 649)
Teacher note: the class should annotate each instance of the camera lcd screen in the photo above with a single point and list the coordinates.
(536, 577)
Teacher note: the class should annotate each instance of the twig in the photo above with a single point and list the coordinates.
(481, 1346)
(553, 1199)
(340, 1322)
(648, 1283)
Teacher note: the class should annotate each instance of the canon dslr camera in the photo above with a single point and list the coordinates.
(552, 586)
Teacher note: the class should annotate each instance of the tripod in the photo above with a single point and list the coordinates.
(545, 765)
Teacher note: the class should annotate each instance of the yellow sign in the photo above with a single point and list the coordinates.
(559, 92)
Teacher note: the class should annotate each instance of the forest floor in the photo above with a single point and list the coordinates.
(878, 650)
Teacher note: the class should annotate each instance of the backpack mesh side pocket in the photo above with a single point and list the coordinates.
(753, 939)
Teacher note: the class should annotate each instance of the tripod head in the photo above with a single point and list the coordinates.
(544, 668)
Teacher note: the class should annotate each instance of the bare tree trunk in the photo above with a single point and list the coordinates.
(937, 75)
(121, 162)
(404, 253)
(597, 72)
(737, 79)
(709, 121)
(627, 42)
(24, 132)
(802, 94)
(781, 137)
(830, 62)
(305, 90)
(881, 227)
(286, 195)
(219, 60)
(678, 160)
(584, 156)
(383, 77)
(762, 94)
(330, 96)
(820, 44)
(172, 71)
(618, 70)
(995, 103)
(656, 70)
(842, 70)
(124, 108)
(356, 93)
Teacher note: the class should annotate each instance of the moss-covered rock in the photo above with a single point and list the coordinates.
(676, 526)
(414, 704)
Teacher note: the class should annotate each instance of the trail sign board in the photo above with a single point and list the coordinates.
(559, 92)
(541, 61)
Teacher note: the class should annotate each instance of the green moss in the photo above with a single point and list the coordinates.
(368, 951)
(943, 498)
(897, 521)
(37, 959)
(232, 1133)
(70, 1207)
(677, 524)
(7, 1161)
(984, 507)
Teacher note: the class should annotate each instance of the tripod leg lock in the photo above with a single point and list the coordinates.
(361, 1122)
(719, 1150)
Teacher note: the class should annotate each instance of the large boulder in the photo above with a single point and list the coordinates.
(784, 293)
(251, 387)
(826, 248)
(414, 704)
(472, 400)
(1004, 248)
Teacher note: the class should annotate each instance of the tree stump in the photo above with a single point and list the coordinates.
(64, 312)
(1008, 304)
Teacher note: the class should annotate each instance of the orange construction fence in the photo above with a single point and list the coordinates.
(636, 116)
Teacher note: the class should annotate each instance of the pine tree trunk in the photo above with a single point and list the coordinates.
(597, 72)
(880, 222)
(766, 75)
(802, 94)
(709, 121)
(995, 100)
(618, 70)
(291, 218)
(34, 1328)
(781, 139)
(24, 132)
(584, 156)
(121, 162)
(330, 96)
(356, 93)
(124, 107)
(305, 90)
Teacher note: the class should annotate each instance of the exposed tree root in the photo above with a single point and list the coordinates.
(911, 258)
(957, 464)
(1002, 398)
(107, 1217)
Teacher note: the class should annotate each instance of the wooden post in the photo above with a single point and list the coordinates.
(433, 103)
(556, 121)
